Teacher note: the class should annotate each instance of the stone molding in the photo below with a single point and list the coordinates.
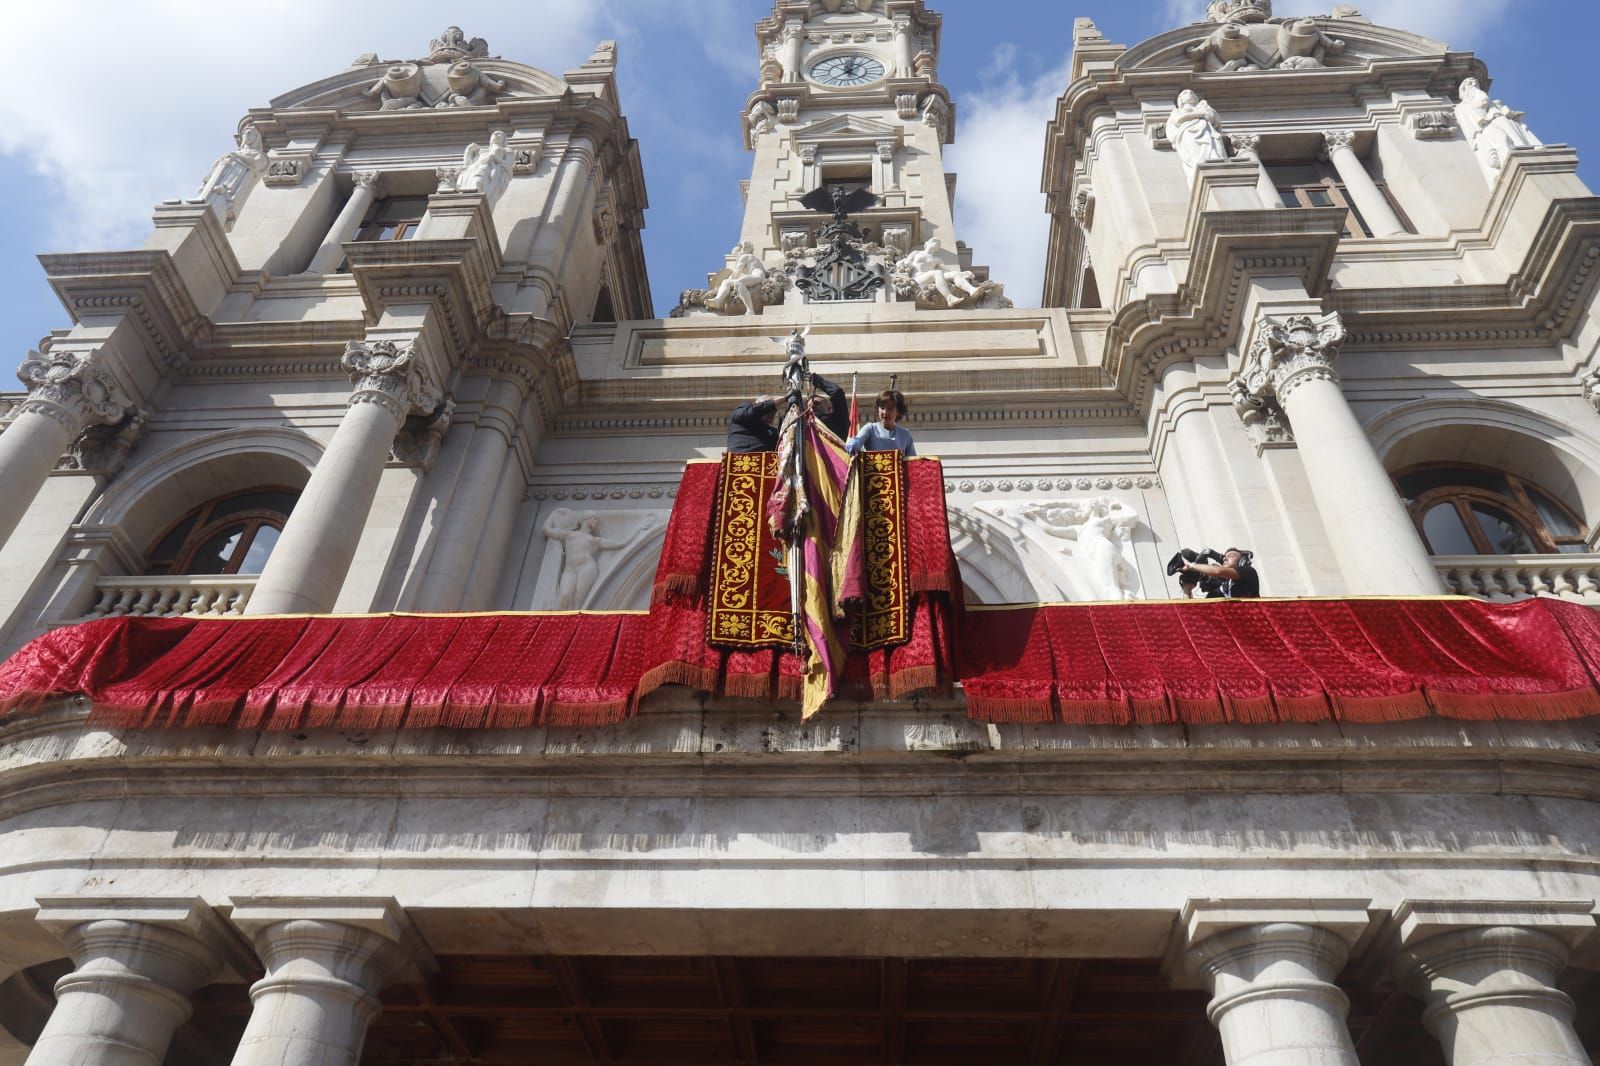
(190, 938)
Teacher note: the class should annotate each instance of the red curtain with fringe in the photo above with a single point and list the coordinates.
(676, 651)
(1262, 661)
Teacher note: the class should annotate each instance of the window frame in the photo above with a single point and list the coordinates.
(207, 528)
(1328, 180)
(1519, 505)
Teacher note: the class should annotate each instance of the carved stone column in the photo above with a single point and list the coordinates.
(1488, 973)
(1369, 199)
(1247, 146)
(67, 391)
(365, 191)
(326, 960)
(136, 964)
(1270, 967)
(1291, 364)
(310, 561)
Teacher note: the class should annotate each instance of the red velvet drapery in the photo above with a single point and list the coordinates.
(1202, 662)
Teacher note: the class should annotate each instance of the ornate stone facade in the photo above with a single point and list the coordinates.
(1297, 267)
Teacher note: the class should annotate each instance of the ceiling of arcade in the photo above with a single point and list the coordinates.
(481, 1010)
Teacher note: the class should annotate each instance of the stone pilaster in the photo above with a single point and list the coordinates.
(1369, 199)
(68, 390)
(327, 961)
(1290, 367)
(1270, 967)
(136, 964)
(319, 541)
(1488, 972)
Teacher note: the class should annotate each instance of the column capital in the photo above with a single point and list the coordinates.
(73, 917)
(1570, 921)
(72, 386)
(394, 376)
(1246, 146)
(1338, 140)
(393, 940)
(1288, 352)
(371, 180)
(1202, 919)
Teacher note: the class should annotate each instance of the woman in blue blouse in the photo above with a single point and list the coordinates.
(886, 434)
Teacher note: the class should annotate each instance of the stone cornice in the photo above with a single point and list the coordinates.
(1542, 303)
(453, 276)
(1205, 315)
(143, 285)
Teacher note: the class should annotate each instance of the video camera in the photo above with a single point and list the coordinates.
(1178, 565)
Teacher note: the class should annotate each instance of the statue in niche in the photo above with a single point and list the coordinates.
(1196, 132)
(1493, 129)
(581, 545)
(400, 88)
(763, 119)
(469, 86)
(744, 280)
(927, 269)
(232, 175)
(1100, 526)
(486, 170)
(1303, 46)
(1227, 49)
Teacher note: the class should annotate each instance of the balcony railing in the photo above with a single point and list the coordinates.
(1504, 578)
(166, 597)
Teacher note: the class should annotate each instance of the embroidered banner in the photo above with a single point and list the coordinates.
(884, 619)
(748, 606)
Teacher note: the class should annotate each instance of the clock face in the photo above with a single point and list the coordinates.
(847, 70)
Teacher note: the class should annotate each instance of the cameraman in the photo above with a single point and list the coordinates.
(1234, 579)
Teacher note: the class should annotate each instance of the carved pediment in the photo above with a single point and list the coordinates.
(1278, 44)
(384, 85)
(846, 126)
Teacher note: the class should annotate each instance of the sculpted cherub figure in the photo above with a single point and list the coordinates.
(744, 279)
(469, 86)
(928, 270)
(486, 169)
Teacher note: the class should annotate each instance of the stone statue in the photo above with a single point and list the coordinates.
(763, 119)
(453, 44)
(745, 280)
(928, 270)
(1226, 49)
(1101, 527)
(469, 86)
(486, 170)
(1247, 11)
(1196, 132)
(400, 88)
(233, 175)
(1493, 129)
(581, 545)
(1303, 46)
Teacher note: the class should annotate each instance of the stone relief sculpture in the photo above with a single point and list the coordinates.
(1101, 527)
(763, 119)
(581, 544)
(486, 169)
(1493, 129)
(1226, 50)
(924, 277)
(1239, 11)
(400, 88)
(926, 269)
(743, 288)
(936, 114)
(743, 280)
(1302, 45)
(232, 176)
(453, 44)
(1196, 132)
(469, 86)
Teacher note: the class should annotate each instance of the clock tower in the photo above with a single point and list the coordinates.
(848, 99)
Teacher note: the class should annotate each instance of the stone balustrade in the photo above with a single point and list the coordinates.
(170, 596)
(1504, 578)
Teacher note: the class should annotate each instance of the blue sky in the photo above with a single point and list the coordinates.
(140, 98)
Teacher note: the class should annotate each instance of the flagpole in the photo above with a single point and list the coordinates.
(796, 372)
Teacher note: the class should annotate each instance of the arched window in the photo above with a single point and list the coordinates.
(228, 535)
(1473, 510)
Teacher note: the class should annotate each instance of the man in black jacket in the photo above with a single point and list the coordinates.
(753, 426)
(831, 406)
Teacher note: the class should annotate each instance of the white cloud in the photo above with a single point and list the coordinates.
(150, 93)
(999, 156)
(1459, 23)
